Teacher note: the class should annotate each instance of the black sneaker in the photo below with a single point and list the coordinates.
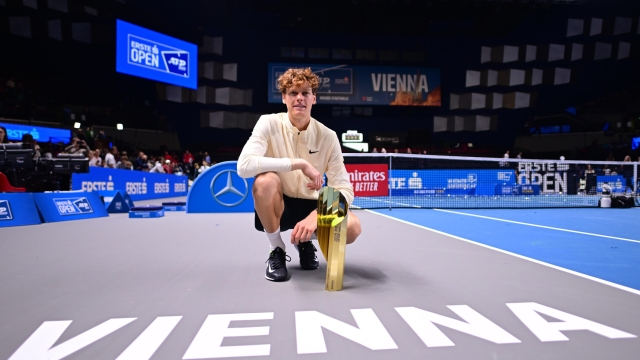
(308, 260)
(276, 265)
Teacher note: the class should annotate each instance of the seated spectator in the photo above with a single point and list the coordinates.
(374, 150)
(27, 139)
(99, 157)
(141, 162)
(408, 150)
(110, 158)
(4, 137)
(187, 157)
(207, 158)
(168, 169)
(122, 164)
(196, 170)
(94, 160)
(177, 169)
(166, 157)
(77, 147)
(157, 168)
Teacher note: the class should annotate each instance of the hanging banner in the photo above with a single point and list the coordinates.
(367, 85)
(148, 54)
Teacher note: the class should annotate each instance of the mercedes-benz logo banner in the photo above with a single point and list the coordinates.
(220, 189)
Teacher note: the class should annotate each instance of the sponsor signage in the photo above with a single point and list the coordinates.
(5, 210)
(18, 209)
(115, 202)
(73, 206)
(369, 179)
(39, 133)
(517, 189)
(69, 205)
(148, 54)
(138, 185)
(546, 325)
(449, 182)
(367, 85)
(220, 189)
(616, 183)
(550, 177)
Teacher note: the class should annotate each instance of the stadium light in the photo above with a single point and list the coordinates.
(76, 125)
(119, 126)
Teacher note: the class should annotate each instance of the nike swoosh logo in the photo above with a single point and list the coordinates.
(270, 269)
(313, 152)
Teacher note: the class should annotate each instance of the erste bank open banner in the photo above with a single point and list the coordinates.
(148, 54)
(367, 85)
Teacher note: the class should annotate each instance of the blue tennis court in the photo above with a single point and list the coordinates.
(602, 243)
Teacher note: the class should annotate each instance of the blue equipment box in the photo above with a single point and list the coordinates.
(145, 212)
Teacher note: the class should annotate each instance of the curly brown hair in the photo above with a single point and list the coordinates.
(296, 77)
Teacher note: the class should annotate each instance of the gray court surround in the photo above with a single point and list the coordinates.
(185, 277)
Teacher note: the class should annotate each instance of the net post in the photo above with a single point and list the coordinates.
(390, 188)
(635, 179)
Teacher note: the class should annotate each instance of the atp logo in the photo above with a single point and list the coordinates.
(177, 62)
(5, 210)
(73, 206)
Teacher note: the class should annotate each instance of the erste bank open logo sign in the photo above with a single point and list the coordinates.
(5, 210)
(73, 206)
(148, 54)
(156, 56)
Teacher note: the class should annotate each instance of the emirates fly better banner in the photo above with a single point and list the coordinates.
(369, 179)
(367, 85)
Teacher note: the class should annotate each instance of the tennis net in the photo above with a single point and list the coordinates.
(429, 181)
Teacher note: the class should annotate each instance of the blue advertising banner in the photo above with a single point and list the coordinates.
(138, 184)
(67, 206)
(39, 133)
(449, 182)
(517, 189)
(18, 209)
(114, 202)
(220, 189)
(616, 182)
(148, 54)
(367, 85)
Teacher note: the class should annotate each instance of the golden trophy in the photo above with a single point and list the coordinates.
(332, 234)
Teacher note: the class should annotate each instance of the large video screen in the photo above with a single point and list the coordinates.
(635, 143)
(367, 85)
(151, 55)
(39, 133)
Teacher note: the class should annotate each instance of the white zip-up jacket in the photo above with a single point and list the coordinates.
(275, 141)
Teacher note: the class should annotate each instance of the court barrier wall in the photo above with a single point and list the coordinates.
(382, 180)
(17, 209)
(139, 185)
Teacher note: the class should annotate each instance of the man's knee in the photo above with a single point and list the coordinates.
(266, 185)
(354, 229)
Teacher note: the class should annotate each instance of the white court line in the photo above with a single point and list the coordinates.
(589, 277)
(540, 226)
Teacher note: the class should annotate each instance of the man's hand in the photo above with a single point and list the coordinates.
(309, 171)
(304, 229)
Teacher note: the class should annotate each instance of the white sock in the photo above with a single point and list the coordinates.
(275, 239)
